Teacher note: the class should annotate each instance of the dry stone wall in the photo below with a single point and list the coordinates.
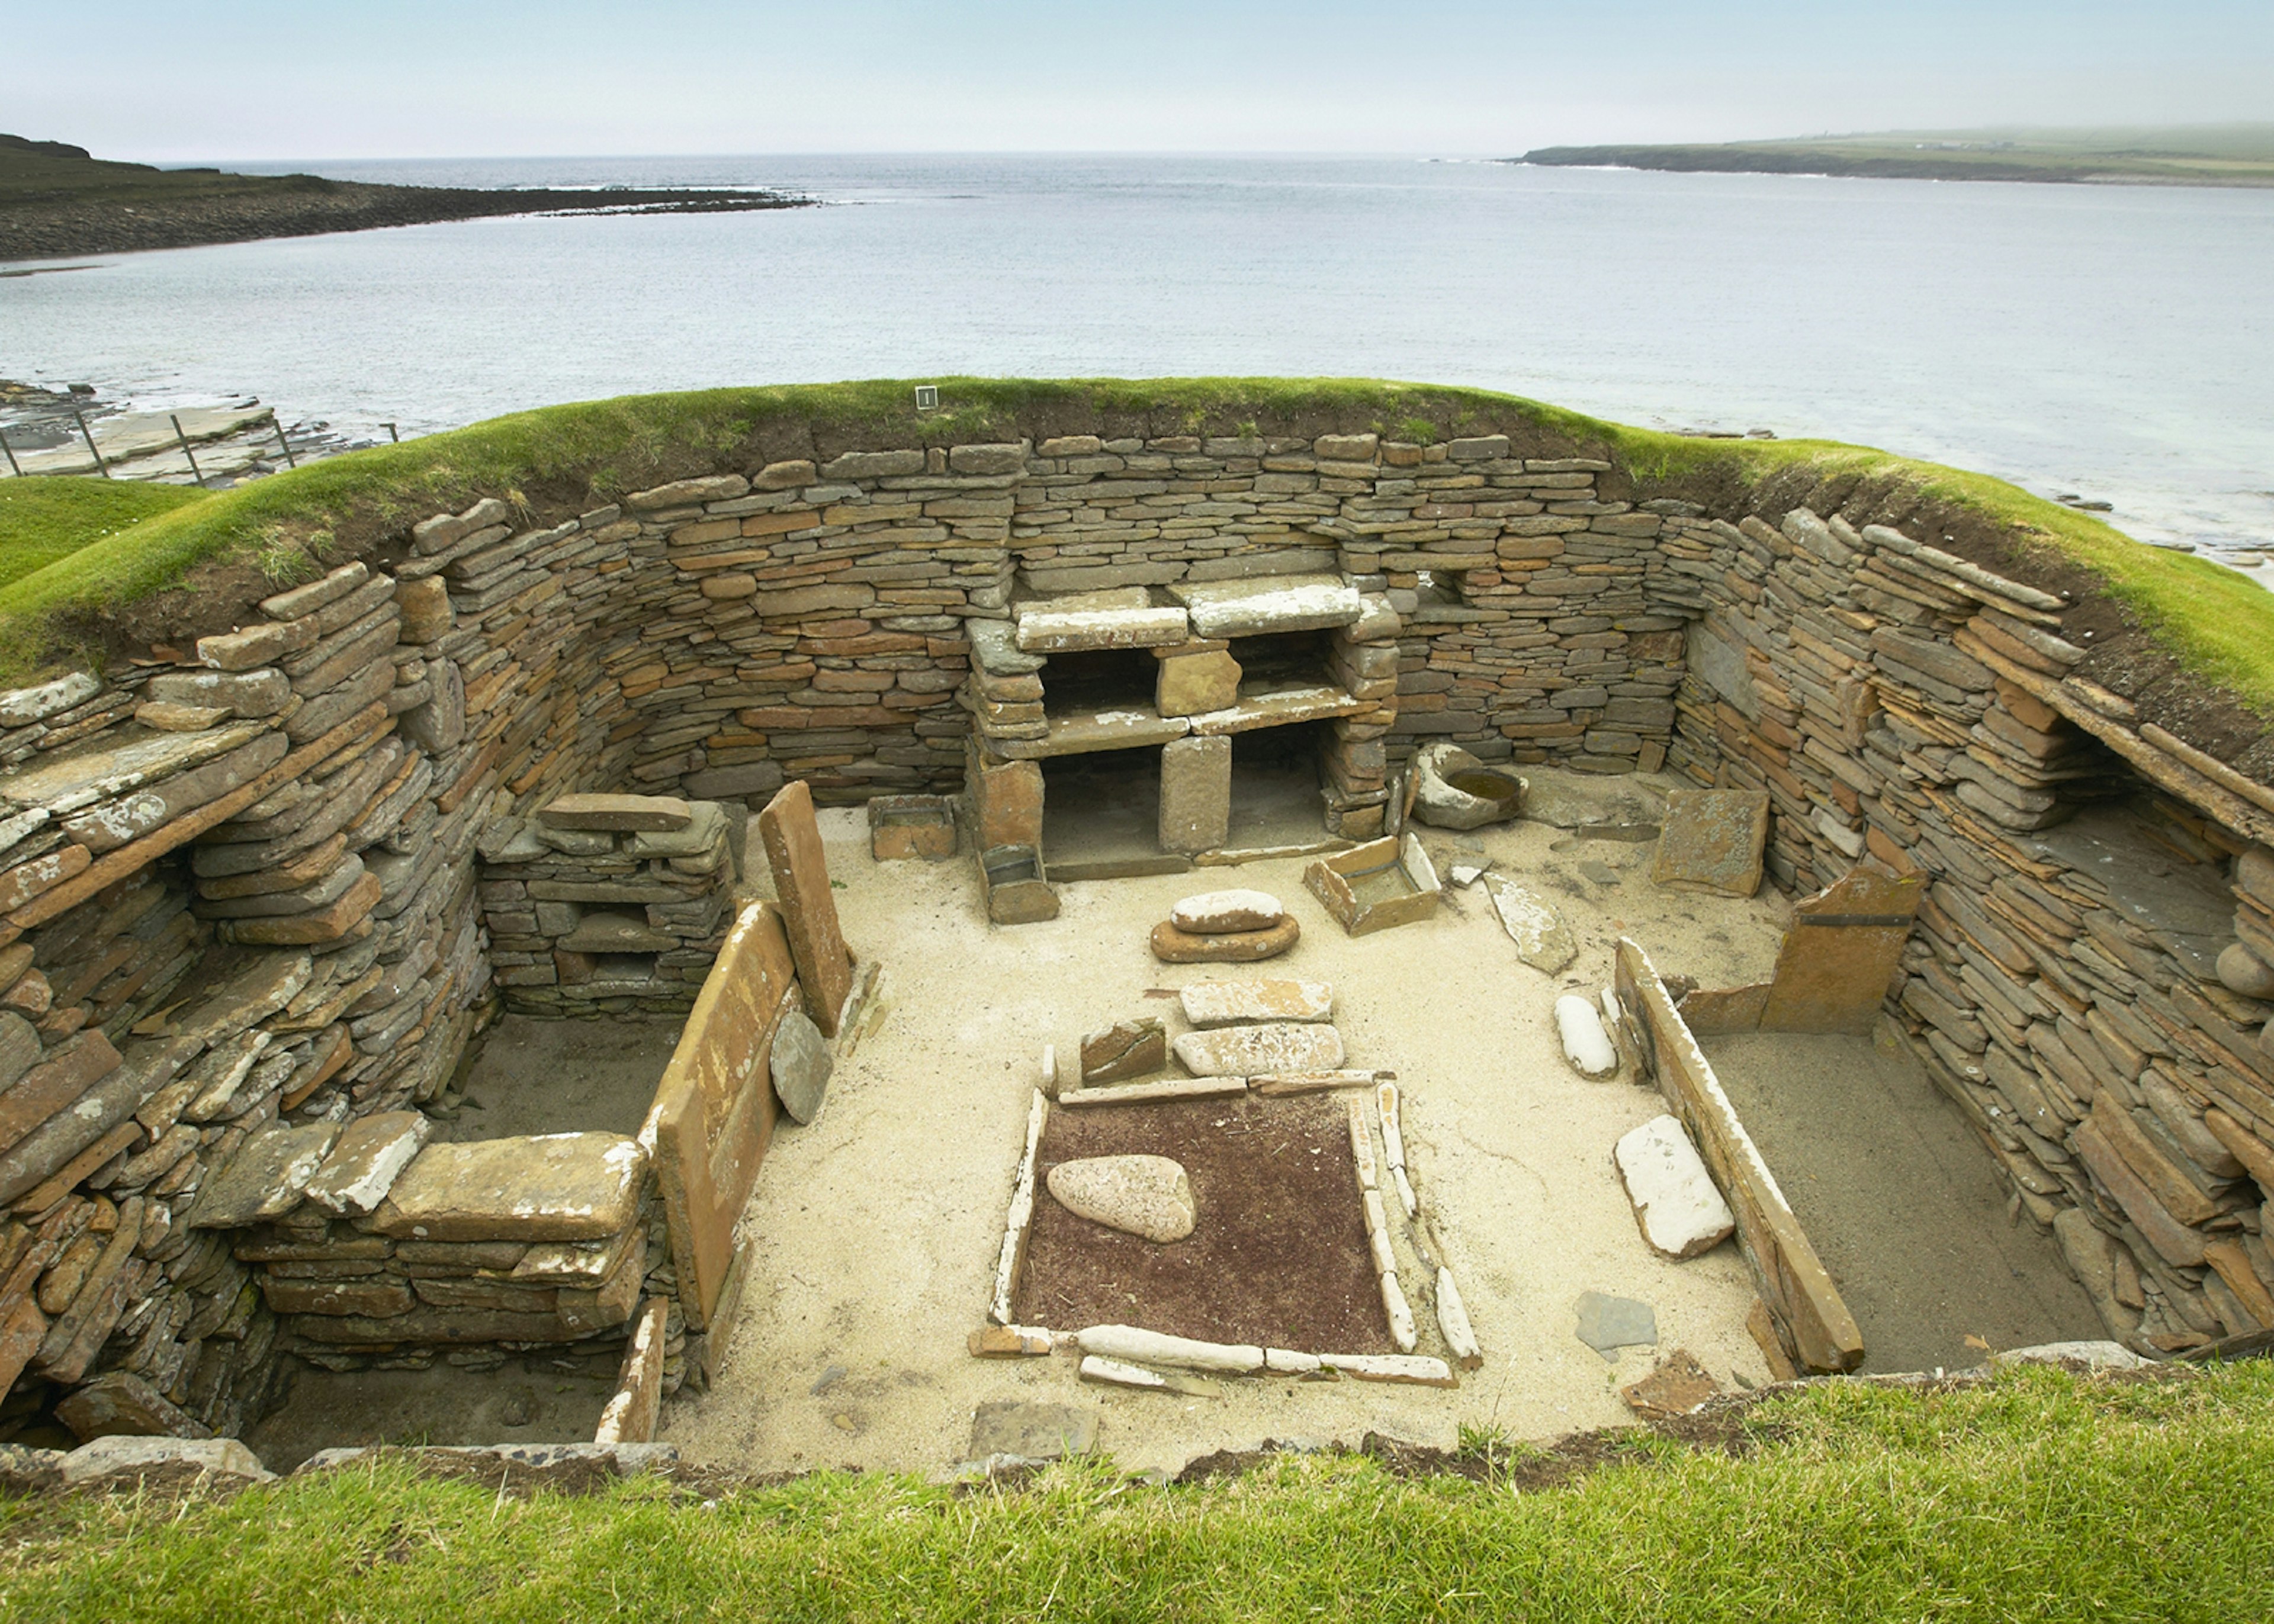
(2087, 979)
(262, 886)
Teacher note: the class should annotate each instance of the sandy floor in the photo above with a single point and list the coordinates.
(562, 1076)
(876, 1229)
(1902, 1201)
(517, 1402)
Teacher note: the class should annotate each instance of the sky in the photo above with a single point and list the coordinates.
(357, 78)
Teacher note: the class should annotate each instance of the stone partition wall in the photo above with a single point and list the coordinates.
(242, 876)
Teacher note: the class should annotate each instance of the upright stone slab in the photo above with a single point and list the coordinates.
(1195, 794)
(793, 843)
(1712, 841)
(1841, 952)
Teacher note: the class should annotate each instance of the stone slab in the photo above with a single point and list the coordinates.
(107, 1459)
(713, 1113)
(1712, 841)
(1065, 631)
(545, 1187)
(1226, 1003)
(808, 911)
(1031, 1431)
(1268, 604)
(1277, 707)
(1607, 1324)
(1675, 1204)
(1195, 794)
(1248, 1051)
(1840, 951)
(616, 813)
(265, 1178)
(1218, 913)
(1677, 1386)
(1171, 945)
(1534, 923)
(363, 1165)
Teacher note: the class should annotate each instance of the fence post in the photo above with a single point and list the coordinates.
(89, 437)
(10, 450)
(276, 422)
(175, 418)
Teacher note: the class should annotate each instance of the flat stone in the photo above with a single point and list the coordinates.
(551, 1187)
(1585, 1044)
(616, 813)
(1542, 939)
(50, 1087)
(1607, 1324)
(19, 1048)
(265, 1178)
(123, 1404)
(1193, 684)
(173, 719)
(995, 645)
(1277, 706)
(325, 924)
(246, 693)
(1127, 1049)
(21, 707)
(1268, 604)
(1677, 1208)
(1613, 808)
(1677, 1386)
(1218, 913)
(2092, 1258)
(1712, 841)
(1031, 1431)
(801, 872)
(735, 783)
(2097, 1354)
(706, 829)
(1195, 794)
(363, 1165)
(1050, 630)
(437, 723)
(72, 779)
(136, 1457)
(1225, 1004)
(1140, 1195)
(617, 933)
(1171, 945)
(800, 1064)
(1251, 1051)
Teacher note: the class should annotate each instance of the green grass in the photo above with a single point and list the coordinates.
(2041, 1496)
(2216, 622)
(44, 519)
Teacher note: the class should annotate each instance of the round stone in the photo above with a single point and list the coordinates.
(1140, 1195)
(1218, 912)
(1454, 790)
(1171, 945)
(2245, 971)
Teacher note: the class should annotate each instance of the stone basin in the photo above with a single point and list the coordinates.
(1456, 791)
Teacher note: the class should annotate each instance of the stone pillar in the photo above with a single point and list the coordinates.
(1006, 802)
(1195, 794)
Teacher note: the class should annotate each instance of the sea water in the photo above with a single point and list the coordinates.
(2116, 342)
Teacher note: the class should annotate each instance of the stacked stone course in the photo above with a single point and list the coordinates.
(266, 886)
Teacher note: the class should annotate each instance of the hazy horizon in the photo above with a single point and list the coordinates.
(699, 77)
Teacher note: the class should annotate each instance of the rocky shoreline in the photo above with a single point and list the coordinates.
(307, 205)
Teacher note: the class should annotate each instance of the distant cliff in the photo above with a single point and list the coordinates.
(57, 200)
(2230, 156)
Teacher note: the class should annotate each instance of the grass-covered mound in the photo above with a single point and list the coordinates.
(2217, 624)
(2040, 1495)
(44, 519)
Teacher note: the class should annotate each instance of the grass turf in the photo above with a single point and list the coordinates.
(2217, 623)
(47, 518)
(2041, 1495)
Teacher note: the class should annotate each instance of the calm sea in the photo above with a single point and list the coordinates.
(2116, 342)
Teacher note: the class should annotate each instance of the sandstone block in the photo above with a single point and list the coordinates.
(617, 933)
(616, 813)
(246, 693)
(1677, 1208)
(1250, 1051)
(1585, 1044)
(1195, 794)
(1713, 840)
(173, 719)
(23, 706)
(426, 611)
(1125, 1049)
(688, 492)
(121, 1457)
(438, 724)
(1193, 684)
(256, 645)
(1150, 1196)
(1225, 1004)
(551, 1187)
